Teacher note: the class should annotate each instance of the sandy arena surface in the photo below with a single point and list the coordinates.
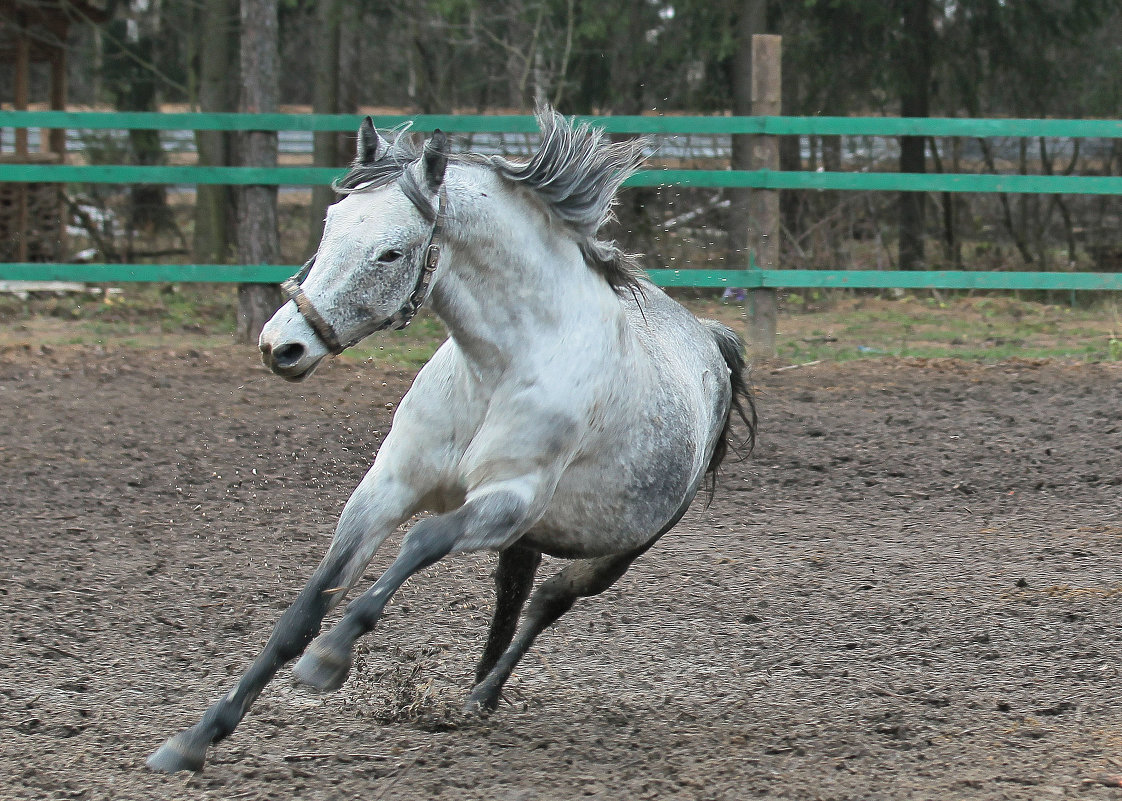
(913, 589)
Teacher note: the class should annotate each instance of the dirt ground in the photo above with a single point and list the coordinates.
(913, 589)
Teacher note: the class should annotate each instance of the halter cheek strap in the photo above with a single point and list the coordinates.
(293, 290)
(431, 257)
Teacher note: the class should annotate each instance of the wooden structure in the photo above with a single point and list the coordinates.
(35, 31)
(823, 278)
(763, 204)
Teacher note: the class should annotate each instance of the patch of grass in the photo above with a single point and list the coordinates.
(838, 326)
(973, 327)
(409, 348)
(136, 308)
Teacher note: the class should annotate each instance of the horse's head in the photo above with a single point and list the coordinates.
(379, 250)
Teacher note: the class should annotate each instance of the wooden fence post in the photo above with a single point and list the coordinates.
(763, 204)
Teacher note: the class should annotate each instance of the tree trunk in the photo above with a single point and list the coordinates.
(517, 36)
(790, 160)
(951, 255)
(751, 19)
(257, 219)
(325, 100)
(353, 50)
(136, 89)
(914, 67)
(214, 218)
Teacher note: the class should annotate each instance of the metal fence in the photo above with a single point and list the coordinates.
(492, 126)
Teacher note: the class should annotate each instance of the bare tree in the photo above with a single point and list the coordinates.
(914, 62)
(325, 100)
(217, 51)
(751, 18)
(257, 212)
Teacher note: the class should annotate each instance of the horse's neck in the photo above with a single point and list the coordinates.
(516, 284)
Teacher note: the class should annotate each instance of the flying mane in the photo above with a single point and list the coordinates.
(575, 172)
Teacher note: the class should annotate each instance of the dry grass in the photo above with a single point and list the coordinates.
(833, 326)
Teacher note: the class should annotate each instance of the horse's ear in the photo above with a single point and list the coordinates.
(371, 145)
(435, 159)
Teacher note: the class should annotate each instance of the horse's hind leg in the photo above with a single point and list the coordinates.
(374, 510)
(514, 578)
(554, 598)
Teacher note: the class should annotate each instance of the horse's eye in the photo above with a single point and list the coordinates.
(390, 256)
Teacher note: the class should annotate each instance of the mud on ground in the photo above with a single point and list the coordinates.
(912, 590)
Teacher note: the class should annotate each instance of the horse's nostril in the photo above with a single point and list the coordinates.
(288, 355)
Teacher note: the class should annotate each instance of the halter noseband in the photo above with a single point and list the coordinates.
(293, 290)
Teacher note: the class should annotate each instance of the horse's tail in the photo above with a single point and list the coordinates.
(732, 350)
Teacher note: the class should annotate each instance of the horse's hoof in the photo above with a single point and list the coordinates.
(481, 704)
(184, 751)
(323, 667)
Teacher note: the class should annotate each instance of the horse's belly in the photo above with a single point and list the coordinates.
(593, 516)
(573, 541)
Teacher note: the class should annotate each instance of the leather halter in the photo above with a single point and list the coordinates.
(293, 290)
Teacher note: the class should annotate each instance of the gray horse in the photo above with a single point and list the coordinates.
(574, 410)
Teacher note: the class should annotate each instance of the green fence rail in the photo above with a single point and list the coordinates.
(747, 279)
(482, 123)
(759, 179)
(727, 179)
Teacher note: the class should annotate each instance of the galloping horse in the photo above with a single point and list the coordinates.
(574, 410)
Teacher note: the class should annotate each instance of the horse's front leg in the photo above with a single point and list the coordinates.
(377, 507)
(490, 519)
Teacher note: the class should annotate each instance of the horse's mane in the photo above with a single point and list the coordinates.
(575, 172)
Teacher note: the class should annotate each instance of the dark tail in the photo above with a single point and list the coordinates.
(732, 350)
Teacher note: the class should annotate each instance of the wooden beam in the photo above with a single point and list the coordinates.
(763, 204)
(791, 279)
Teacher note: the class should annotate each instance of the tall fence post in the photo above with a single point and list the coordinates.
(763, 204)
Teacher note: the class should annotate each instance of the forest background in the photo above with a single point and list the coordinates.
(953, 58)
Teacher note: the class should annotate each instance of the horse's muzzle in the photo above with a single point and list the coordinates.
(289, 347)
(287, 361)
